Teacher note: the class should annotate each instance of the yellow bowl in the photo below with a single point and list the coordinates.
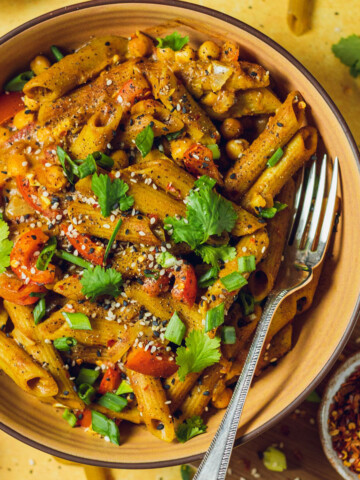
(320, 334)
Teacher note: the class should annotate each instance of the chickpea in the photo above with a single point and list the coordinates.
(21, 119)
(39, 64)
(223, 400)
(17, 165)
(140, 46)
(231, 128)
(121, 159)
(186, 54)
(235, 148)
(179, 147)
(225, 100)
(229, 52)
(165, 54)
(4, 134)
(208, 50)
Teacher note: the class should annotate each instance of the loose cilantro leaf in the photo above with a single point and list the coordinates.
(313, 397)
(174, 41)
(272, 211)
(213, 255)
(101, 281)
(208, 278)
(144, 140)
(83, 167)
(111, 194)
(207, 213)
(348, 51)
(192, 427)
(200, 352)
(5, 246)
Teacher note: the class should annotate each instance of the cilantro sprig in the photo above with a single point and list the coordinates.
(111, 194)
(101, 281)
(348, 51)
(6, 245)
(174, 41)
(144, 140)
(83, 167)
(200, 352)
(192, 427)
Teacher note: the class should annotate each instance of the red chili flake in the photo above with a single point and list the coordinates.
(344, 422)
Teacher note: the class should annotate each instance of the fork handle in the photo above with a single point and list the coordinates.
(216, 460)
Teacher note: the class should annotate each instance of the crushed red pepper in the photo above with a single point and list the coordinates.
(344, 422)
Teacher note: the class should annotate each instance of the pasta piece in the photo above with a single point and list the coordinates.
(3, 317)
(262, 281)
(255, 244)
(176, 98)
(298, 151)
(299, 15)
(281, 344)
(94, 354)
(152, 405)
(165, 305)
(75, 69)
(176, 390)
(70, 287)
(43, 352)
(280, 128)
(132, 228)
(121, 346)
(22, 369)
(131, 414)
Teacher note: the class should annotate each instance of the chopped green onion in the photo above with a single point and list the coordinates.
(313, 397)
(69, 417)
(233, 281)
(214, 317)
(214, 150)
(102, 160)
(64, 344)
(274, 460)
(46, 254)
(166, 260)
(247, 303)
(37, 294)
(173, 135)
(151, 274)
(87, 375)
(39, 311)
(56, 52)
(124, 388)
(113, 402)
(247, 264)
(187, 473)
(228, 335)
(106, 427)
(77, 321)
(86, 167)
(175, 330)
(112, 238)
(86, 393)
(208, 278)
(64, 158)
(273, 160)
(272, 211)
(17, 83)
(144, 140)
(69, 257)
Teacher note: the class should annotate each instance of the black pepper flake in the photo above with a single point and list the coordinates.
(140, 281)
(66, 392)
(279, 124)
(166, 386)
(98, 353)
(232, 176)
(156, 334)
(107, 43)
(206, 393)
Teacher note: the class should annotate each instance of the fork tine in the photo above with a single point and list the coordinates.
(306, 205)
(299, 189)
(330, 209)
(318, 204)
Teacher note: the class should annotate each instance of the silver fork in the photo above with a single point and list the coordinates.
(300, 258)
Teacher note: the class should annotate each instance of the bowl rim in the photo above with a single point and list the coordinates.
(355, 314)
(347, 368)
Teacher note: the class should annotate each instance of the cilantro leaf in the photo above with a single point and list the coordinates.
(101, 281)
(192, 427)
(200, 352)
(5, 246)
(207, 213)
(208, 278)
(348, 51)
(144, 140)
(111, 193)
(174, 41)
(272, 211)
(213, 255)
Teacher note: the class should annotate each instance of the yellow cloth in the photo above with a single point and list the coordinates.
(331, 20)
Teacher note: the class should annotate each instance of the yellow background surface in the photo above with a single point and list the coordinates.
(331, 20)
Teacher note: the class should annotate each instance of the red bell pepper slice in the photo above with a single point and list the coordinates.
(154, 287)
(185, 286)
(15, 291)
(84, 418)
(23, 260)
(30, 195)
(131, 92)
(110, 380)
(10, 104)
(157, 364)
(198, 160)
(84, 245)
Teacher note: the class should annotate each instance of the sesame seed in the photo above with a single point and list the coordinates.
(47, 164)
(106, 225)
(108, 82)
(24, 164)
